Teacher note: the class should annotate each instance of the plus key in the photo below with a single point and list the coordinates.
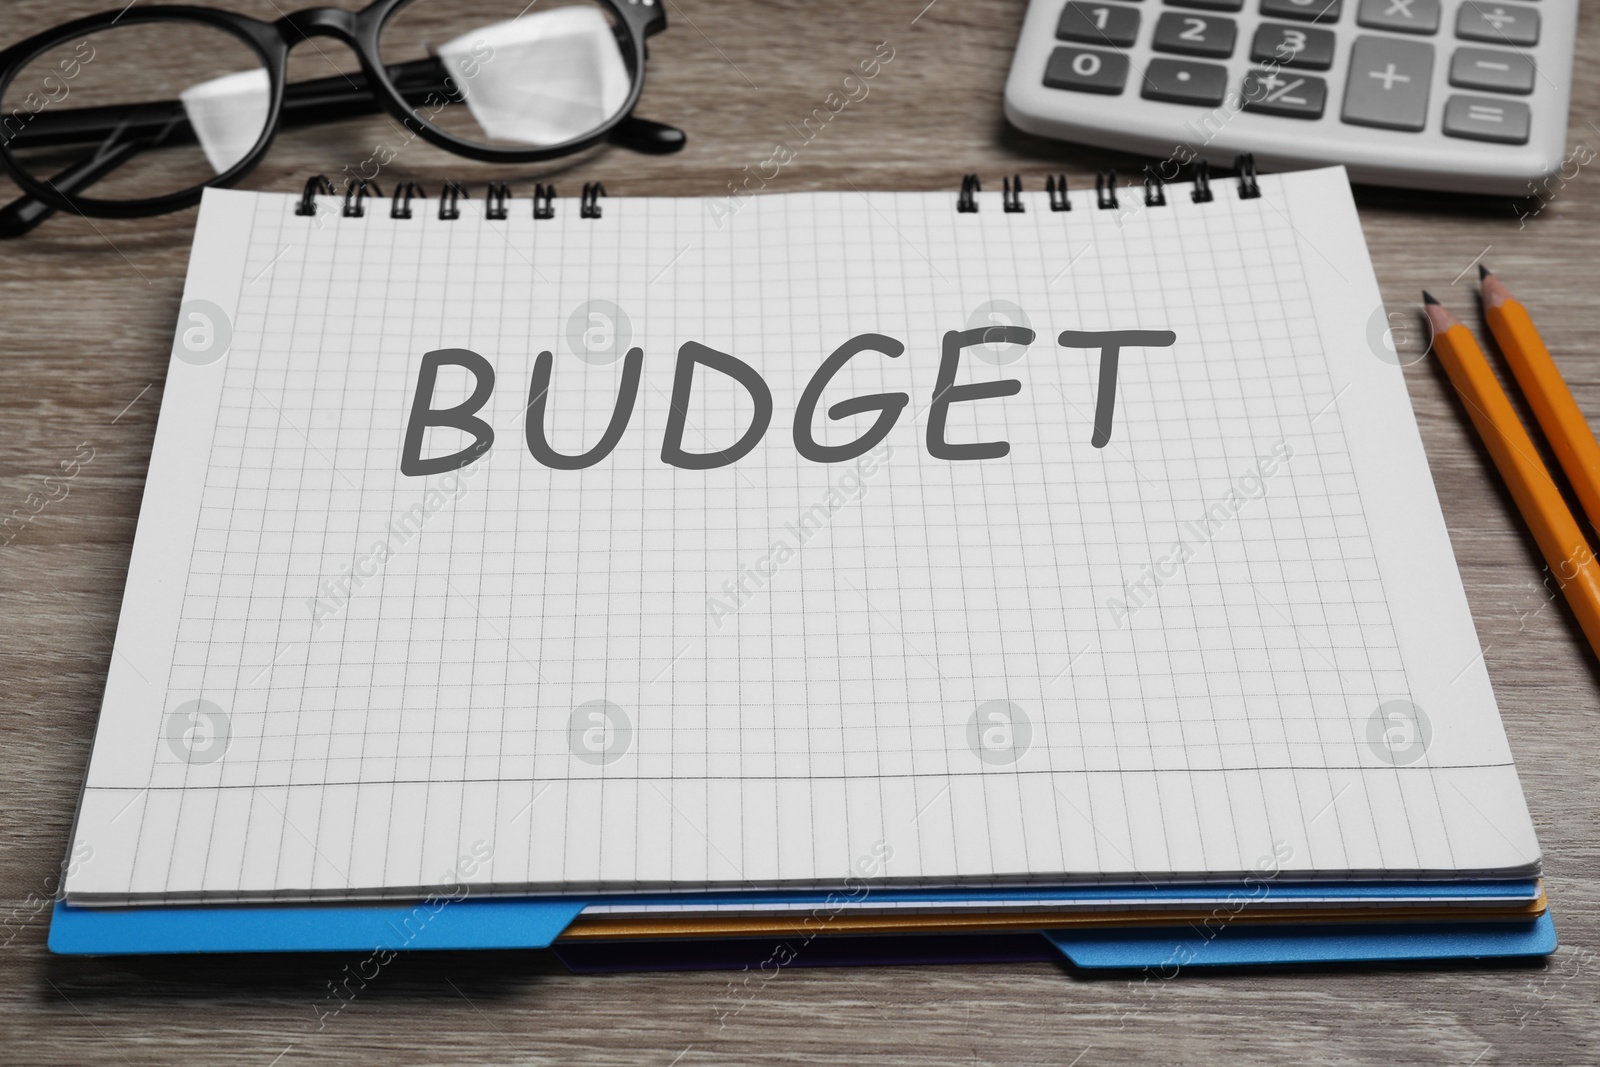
(1387, 85)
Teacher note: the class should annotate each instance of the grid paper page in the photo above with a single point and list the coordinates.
(1231, 639)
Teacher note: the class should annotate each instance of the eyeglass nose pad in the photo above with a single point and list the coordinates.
(648, 136)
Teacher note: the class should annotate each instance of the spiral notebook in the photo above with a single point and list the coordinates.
(596, 546)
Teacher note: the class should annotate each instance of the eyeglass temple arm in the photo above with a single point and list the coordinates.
(304, 103)
(26, 212)
(127, 129)
(318, 100)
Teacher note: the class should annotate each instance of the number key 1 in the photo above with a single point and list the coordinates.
(1103, 24)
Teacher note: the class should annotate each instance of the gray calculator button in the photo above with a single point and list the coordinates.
(1179, 81)
(1103, 24)
(1304, 10)
(1282, 92)
(1293, 46)
(1087, 71)
(1484, 68)
(1209, 5)
(1497, 23)
(1195, 35)
(1402, 16)
(1487, 118)
(1388, 83)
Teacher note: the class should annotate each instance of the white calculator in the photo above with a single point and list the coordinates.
(1463, 95)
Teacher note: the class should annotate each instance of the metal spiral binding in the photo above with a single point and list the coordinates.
(1246, 166)
(308, 199)
(1056, 187)
(1155, 193)
(401, 209)
(1011, 198)
(498, 194)
(494, 201)
(355, 191)
(968, 200)
(1105, 190)
(543, 201)
(449, 201)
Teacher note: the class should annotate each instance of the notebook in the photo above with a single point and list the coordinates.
(668, 546)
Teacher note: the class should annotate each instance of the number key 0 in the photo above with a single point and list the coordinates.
(1104, 24)
(1084, 70)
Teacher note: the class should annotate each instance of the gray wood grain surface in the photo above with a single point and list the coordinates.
(86, 319)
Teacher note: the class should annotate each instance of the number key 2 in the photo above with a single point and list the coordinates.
(1102, 24)
(1293, 46)
(1195, 35)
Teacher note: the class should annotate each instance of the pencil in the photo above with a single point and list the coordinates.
(1560, 540)
(1547, 392)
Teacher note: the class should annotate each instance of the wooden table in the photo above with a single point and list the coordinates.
(87, 326)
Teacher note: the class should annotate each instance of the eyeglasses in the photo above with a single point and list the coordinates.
(82, 105)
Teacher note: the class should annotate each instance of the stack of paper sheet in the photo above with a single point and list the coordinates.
(815, 566)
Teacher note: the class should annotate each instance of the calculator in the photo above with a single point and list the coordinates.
(1461, 95)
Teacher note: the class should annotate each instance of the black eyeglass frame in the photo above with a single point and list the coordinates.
(635, 20)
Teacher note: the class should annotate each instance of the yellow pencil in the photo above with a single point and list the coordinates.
(1560, 540)
(1558, 414)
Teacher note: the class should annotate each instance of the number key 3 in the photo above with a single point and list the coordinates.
(1293, 46)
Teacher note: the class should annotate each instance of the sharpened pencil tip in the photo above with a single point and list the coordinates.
(1483, 272)
(1427, 297)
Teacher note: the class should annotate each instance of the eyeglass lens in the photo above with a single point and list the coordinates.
(525, 75)
(106, 100)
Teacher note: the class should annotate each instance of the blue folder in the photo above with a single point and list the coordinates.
(536, 922)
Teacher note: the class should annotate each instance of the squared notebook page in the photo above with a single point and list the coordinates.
(1234, 638)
